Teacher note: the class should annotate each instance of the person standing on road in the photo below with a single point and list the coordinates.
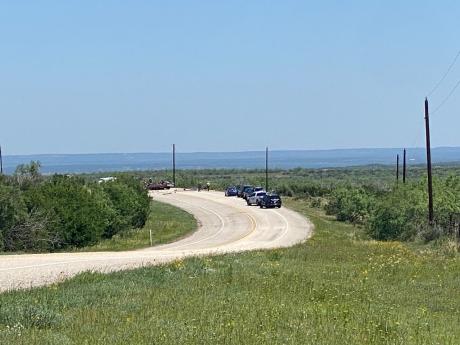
(207, 185)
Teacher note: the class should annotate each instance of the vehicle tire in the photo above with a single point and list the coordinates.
(261, 206)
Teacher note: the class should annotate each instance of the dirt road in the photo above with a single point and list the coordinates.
(225, 225)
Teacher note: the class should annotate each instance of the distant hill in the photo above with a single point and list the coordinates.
(80, 163)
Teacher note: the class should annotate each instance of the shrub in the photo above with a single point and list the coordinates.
(13, 211)
(43, 214)
(129, 200)
(350, 204)
(402, 213)
(79, 216)
(397, 214)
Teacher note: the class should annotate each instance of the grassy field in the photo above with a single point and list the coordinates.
(168, 223)
(337, 288)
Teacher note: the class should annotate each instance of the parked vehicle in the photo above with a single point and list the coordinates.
(160, 185)
(254, 198)
(107, 179)
(247, 191)
(168, 184)
(241, 190)
(238, 187)
(231, 191)
(270, 200)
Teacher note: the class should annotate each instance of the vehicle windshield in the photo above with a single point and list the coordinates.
(261, 194)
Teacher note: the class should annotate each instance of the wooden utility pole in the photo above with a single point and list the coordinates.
(428, 164)
(1, 161)
(404, 166)
(397, 168)
(174, 164)
(266, 169)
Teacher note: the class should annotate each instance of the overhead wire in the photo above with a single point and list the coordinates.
(445, 75)
(417, 134)
(447, 97)
(457, 84)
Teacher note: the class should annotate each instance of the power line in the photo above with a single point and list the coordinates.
(447, 97)
(445, 75)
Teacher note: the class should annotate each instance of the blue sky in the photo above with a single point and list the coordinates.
(137, 76)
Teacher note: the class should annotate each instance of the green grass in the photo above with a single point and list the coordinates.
(167, 222)
(337, 288)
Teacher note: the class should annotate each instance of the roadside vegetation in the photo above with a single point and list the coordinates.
(59, 212)
(339, 287)
(400, 213)
(373, 273)
(40, 214)
(367, 196)
(166, 222)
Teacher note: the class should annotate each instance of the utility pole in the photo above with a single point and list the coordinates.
(428, 164)
(397, 168)
(266, 169)
(404, 167)
(174, 164)
(1, 161)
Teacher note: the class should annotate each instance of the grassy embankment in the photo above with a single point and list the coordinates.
(337, 288)
(167, 222)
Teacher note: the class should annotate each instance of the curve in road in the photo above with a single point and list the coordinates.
(225, 225)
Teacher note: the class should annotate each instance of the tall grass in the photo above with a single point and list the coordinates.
(337, 288)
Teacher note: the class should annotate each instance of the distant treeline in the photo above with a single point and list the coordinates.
(40, 213)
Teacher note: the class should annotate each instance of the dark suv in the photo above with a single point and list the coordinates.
(242, 189)
(231, 191)
(247, 192)
(270, 200)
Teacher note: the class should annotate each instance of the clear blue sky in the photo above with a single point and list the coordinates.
(137, 76)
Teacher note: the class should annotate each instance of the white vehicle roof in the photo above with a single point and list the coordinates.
(107, 179)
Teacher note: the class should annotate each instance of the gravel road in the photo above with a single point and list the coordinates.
(225, 225)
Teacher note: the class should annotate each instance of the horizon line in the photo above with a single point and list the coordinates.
(228, 152)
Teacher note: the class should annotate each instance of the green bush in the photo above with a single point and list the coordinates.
(13, 211)
(401, 214)
(398, 214)
(350, 204)
(130, 202)
(446, 201)
(79, 214)
(21, 229)
(47, 213)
